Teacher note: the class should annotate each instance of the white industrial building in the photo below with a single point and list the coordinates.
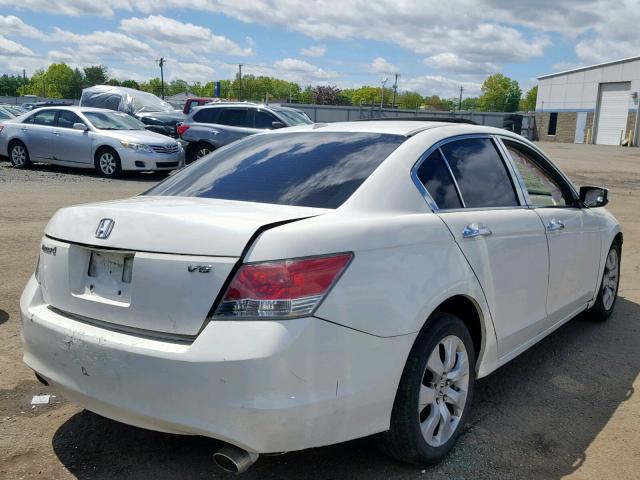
(595, 104)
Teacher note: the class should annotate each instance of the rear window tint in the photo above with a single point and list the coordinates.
(435, 176)
(319, 169)
(206, 115)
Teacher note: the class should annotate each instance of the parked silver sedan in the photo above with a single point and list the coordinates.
(108, 141)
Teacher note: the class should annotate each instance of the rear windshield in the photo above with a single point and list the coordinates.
(319, 169)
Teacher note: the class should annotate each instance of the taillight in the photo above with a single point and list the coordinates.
(182, 128)
(281, 289)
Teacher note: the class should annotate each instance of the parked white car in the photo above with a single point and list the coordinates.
(85, 137)
(305, 287)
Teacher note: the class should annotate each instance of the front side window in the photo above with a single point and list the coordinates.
(234, 117)
(66, 119)
(481, 175)
(543, 190)
(45, 117)
(309, 169)
(263, 119)
(435, 176)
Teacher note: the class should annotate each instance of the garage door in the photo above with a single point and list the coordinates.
(612, 114)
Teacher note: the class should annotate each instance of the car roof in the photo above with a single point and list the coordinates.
(394, 127)
(74, 108)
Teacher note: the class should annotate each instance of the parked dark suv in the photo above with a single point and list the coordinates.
(215, 125)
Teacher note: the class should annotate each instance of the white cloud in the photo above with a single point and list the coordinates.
(12, 25)
(453, 63)
(103, 45)
(314, 51)
(179, 37)
(303, 70)
(442, 86)
(380, 65)
(13, 49)
(68, 7)
(190, 72)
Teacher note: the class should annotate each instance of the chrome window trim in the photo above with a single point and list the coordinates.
(453, 177)
(436, 146)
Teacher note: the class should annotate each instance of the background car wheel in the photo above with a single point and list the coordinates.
(203, 149)
(434, 395)
(608, 292)
(19, 155)
(107, 163)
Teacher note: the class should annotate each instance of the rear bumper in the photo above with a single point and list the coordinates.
(264, 386)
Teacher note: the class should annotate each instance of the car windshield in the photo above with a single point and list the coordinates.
(113, 121)
(294, 118)
(310, 169)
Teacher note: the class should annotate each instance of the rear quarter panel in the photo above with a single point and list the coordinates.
(404, 266)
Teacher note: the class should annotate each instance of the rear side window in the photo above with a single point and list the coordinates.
(319, 169)
(480, 173)
(435, 176)
(207, 115)
(45, 117)
(234, 117)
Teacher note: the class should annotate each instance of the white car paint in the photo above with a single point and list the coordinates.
(281, 385)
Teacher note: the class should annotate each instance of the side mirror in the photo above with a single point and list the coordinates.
(80, 126)
(275, 125)
(594, 196)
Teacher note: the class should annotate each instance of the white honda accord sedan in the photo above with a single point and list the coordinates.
(312, 285)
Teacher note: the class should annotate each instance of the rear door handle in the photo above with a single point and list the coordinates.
(476, 230)
(554, 225)
(56, 132)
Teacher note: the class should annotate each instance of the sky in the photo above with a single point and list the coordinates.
(436, 46)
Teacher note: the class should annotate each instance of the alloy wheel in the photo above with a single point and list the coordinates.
(18, 155)
(443, 392)
(203, 151)
(610, 279)
(108, 163)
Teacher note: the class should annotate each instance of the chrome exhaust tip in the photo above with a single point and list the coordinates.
(234, 459)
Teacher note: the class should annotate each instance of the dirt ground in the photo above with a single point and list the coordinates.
(567, 408)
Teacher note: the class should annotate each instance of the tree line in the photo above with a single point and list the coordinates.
(499, 92)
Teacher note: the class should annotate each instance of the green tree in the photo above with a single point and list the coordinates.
(152, 86)
(9, 84)
(58, 81)
(410, 100)
(130, 84)
(95, 75)
(528, 103)
(470, 103)
(306, 96)
(114, 82)
(499, 94)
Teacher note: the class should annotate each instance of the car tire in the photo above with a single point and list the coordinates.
(107, 162)
(19, 155)
(202, 149)
(608, 288)
(424, 401)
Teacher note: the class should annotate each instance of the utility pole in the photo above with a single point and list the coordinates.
(384, 82)
(395, 88)
(24, 75)
(240, 80)
(460, 101)
(161, 62)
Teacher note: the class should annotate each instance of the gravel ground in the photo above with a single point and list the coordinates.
(568, 407)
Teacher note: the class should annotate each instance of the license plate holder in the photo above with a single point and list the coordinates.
(109, 275)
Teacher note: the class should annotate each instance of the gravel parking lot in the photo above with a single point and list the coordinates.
(569, 407)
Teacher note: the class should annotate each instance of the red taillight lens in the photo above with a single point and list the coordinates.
(282, 289)
(182, 128)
